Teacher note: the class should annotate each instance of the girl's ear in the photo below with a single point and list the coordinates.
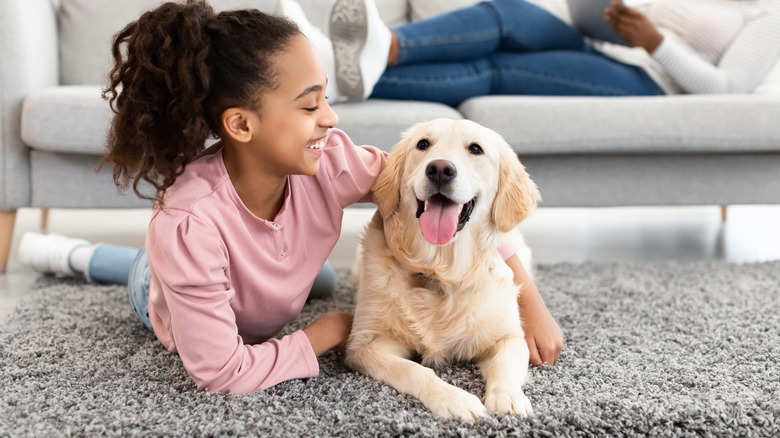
(517, 194)
(235, 124)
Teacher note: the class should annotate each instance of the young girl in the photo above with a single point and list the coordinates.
(240, 230)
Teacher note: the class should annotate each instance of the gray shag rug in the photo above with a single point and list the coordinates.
(651, 348)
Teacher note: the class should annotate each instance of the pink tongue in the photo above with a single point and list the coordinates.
(439, 221)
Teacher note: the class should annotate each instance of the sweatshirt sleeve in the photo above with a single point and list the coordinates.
(744, 65)
(351, 170)
(190, 261)
(509, 245)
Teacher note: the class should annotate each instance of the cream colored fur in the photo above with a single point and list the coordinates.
(453, 302)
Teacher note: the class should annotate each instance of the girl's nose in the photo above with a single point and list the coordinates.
(329, 117)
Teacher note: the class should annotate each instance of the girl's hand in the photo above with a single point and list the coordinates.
(542, 334)
(633, 26)
(329, 331)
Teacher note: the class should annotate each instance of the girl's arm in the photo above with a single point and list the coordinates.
(542, 333)
(330, 331)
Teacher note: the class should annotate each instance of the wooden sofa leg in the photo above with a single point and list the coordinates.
(724, 213)
(7, 220)
(44, 220)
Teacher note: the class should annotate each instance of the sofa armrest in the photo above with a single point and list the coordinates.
(29, 60)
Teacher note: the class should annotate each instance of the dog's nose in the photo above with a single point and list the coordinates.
(440, 171)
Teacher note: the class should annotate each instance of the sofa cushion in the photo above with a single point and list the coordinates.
(87, 28)
(684, 124)
(75, 119)
(381, 122)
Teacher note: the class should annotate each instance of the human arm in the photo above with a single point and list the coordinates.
(740, 68)
(349, 171)
(328, 332)
(542, 333)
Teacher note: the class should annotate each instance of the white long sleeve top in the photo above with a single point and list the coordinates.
(709, 46)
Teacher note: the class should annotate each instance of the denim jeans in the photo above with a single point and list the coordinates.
(124, 265)
(502, 47)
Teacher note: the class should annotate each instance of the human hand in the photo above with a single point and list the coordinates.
(329, 331)
(633, 26)
(542, 333)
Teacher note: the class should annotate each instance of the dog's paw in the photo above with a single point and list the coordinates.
(453, 402)
(509, 402)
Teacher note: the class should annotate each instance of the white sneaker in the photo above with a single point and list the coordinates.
(48, 253)
(292, 10)
(361, 44)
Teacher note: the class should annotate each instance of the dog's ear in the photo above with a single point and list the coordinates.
(517, 194)
(387, 187)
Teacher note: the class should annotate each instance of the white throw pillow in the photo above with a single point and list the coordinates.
(87, 28)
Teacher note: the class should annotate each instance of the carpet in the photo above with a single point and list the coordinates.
(651, 349)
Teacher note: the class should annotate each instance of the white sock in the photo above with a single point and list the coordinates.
(361, 44)
(292, 10)
(79, 258)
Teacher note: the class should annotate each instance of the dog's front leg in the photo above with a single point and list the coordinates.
(384, 360)
(505, 367)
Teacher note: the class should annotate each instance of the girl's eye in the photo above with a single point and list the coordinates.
(423, 144)
(475, 149)
(312, 109)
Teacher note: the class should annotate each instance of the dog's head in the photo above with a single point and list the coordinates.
(451, 173)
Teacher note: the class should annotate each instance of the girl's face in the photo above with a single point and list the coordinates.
(288, 134)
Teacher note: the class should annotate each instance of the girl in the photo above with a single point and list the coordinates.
(240, 230)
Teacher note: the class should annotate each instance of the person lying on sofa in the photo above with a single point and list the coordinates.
(513, 47)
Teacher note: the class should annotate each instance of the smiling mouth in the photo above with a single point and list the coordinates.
(440, 218)
(316, 144)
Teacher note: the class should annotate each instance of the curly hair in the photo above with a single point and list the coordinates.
(176, 69)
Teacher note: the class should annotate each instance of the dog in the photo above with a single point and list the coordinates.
(432, 283)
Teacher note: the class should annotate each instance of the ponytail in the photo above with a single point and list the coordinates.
(176, 69)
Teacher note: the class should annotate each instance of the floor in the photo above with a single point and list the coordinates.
(750, 233)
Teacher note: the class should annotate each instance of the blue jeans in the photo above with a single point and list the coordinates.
(125, 265)
(502, 47)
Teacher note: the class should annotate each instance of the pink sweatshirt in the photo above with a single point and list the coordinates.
(224, 282)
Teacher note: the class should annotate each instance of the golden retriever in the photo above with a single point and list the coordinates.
(432, 281)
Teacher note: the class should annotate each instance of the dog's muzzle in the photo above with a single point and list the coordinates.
(440, 217)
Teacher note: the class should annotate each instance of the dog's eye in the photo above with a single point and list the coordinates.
(475, 149)
(423, 144)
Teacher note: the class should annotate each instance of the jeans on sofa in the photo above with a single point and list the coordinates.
(503, 47)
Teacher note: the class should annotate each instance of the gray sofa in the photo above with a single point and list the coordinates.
(588, 152)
